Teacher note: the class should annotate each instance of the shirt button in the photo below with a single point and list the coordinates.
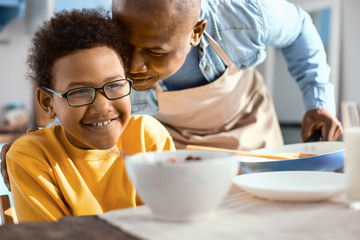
(243, 67)
(207, 68)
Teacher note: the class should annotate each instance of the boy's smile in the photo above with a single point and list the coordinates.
(99, 124)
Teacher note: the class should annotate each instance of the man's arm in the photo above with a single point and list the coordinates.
(3, 153)
(304, 52)
(4, 172)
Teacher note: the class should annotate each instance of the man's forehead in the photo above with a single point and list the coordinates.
(169, 8)
(141, 6)
(150, 28)
(150, 39)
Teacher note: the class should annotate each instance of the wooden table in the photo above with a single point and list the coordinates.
(69, 228)
(239, 216)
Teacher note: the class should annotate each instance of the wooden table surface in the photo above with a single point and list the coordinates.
(69, 228)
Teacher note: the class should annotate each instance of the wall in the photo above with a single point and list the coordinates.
(16, 38)
(70, 4)
(350, 75)
(14, 45)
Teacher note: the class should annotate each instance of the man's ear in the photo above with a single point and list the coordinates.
(45, 101)
(198, 31)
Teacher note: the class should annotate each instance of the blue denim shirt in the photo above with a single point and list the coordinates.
(243, 28)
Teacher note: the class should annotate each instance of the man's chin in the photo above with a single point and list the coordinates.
(144, 86)
(141, 88)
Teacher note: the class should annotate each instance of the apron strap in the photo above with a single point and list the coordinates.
(218, 50)
(158, 88)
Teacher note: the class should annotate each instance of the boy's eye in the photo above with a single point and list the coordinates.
(115, 85)
(80, 92)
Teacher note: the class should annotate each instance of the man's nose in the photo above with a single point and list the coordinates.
(138, 62)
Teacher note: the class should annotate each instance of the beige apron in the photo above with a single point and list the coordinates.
(235, 111)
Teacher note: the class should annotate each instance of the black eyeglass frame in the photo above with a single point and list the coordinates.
(64, 95)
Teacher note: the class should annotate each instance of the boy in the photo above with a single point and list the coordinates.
(77, 62)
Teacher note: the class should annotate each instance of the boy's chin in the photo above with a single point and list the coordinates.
(104, 146)
(94, 142)
(100, 144)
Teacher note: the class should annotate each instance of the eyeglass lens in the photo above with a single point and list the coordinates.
(85, 95)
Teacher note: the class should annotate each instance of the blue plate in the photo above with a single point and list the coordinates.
(329, 156)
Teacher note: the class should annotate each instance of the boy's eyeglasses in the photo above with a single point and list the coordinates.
(86, 95)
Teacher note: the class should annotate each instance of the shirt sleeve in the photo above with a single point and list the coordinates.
(290, 28)
(35, 194)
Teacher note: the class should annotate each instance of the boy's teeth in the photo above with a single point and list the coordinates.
(99, 124)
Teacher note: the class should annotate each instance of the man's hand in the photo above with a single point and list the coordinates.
(321, 119)
(4, 151)
(4, 173)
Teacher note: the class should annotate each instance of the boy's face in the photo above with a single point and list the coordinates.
(90, 67)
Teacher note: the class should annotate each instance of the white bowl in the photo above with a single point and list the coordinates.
(185, 190)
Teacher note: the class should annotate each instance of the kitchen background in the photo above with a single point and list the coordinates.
(336, 21)
(333, 18)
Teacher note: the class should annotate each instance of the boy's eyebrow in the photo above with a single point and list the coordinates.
(76, 84)
(88, 83)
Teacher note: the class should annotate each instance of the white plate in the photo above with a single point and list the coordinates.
(329, 157)
(293, 186)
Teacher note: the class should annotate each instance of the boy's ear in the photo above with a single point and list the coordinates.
(197, 32)
(45, 101)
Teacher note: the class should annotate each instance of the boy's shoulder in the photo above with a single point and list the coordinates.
(144, 129)
(143, 121)
(42, 138)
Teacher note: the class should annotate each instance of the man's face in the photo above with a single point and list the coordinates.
(99, 124)
(160, 48)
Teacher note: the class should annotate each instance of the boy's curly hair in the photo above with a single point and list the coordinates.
(68, 31)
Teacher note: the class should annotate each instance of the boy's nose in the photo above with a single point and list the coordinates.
(101, 104)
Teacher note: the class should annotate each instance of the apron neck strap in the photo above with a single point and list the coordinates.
(218, 49)
(158, 88)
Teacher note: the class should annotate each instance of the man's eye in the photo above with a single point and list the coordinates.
(155, 53)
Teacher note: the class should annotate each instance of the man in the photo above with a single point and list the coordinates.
(196, 60)
(171, 52)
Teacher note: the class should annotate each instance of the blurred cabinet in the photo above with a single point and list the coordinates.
(10, 10)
